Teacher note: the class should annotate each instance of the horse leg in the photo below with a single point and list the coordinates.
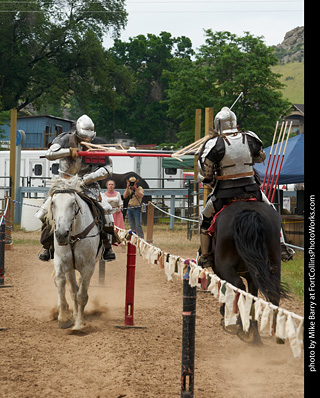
(65, 319)
(82, 298)
(226, 270)
(253, 324)
(73, 289)
(275, 268)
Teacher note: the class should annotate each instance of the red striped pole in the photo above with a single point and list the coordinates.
(280, 167)
(131, 269)
(278, 157)
(274, 156)
(270, 154)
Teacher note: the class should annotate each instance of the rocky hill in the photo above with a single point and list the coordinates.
(292, 47)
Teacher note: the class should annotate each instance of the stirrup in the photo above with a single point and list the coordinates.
(108, 255)
(286, 253)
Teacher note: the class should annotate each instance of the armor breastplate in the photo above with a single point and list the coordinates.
(69, 165)
(237, 160)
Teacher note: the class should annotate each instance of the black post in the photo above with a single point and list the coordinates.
(2, 250)
(188, 337)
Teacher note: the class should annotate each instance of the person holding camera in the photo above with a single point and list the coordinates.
(135, 194)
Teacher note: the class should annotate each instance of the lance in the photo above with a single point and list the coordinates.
(98, 157)
(236, 100)
(274, 157)
(280, 167)
(276, 166)
(270, 154)
(278, 157)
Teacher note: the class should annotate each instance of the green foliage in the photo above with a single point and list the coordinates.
(50, 49)
(148, 87)
(292, 273)
(226, 66)
(143, 114)
(292, 77)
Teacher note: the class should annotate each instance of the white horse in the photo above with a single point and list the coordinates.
(76, 247)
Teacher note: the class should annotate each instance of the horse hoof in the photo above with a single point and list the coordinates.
(79, 326)
(249, 337)
(66, 324)
(231, 329)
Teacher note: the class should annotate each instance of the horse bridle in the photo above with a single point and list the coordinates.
(73, 239)
(77, 208)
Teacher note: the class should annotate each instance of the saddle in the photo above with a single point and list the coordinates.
(96, 210)
(229, 203)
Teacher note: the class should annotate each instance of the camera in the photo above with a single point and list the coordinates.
(131, 183)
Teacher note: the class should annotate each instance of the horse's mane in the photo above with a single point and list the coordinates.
(62, 184)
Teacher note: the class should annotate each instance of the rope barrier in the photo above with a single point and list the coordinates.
(115, 209)
(144, 205)
(173, 215)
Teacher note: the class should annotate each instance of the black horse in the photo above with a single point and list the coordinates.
(246, 242)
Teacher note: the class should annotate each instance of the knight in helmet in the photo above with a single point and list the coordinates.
(226, 162)
(65, 147)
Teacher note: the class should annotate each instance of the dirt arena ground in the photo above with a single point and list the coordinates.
(37, 359)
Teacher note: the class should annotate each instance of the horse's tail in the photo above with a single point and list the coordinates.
(250, 241)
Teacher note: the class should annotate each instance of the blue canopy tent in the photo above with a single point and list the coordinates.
(292, 171)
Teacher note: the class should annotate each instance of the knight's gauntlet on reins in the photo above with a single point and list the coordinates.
(260, 157)
(97, 175)
(74, 152)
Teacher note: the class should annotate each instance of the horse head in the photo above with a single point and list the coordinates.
(64, 208)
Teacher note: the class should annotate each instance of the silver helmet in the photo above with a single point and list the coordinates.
(225, 121)
(85, 128)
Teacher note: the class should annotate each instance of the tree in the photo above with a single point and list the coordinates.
(225, 66)
(143, 114)
(51, 48)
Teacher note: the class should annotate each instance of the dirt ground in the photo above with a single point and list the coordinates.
(37, 359)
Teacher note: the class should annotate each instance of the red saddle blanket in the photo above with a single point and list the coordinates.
(212, 226)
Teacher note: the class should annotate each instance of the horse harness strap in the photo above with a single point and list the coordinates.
(75, 238)
(83, 234)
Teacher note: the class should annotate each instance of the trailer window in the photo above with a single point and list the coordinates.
(37, 169)
(55, 168)
(172, 171)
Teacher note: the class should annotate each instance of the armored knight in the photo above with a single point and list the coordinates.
(226, 162)
(65, 147)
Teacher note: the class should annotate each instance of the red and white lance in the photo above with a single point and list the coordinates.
(269, 188)
(280, 167)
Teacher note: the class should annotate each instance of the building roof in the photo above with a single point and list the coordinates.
(48, 116)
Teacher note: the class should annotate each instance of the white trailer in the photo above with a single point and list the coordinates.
(150, 169)
(39, 170)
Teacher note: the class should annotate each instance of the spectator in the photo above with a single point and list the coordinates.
(114, 199)
(135, 194)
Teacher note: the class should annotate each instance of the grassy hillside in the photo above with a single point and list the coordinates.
(293, 77)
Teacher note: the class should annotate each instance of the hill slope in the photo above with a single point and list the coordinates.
(293, 77)
(291, 64)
